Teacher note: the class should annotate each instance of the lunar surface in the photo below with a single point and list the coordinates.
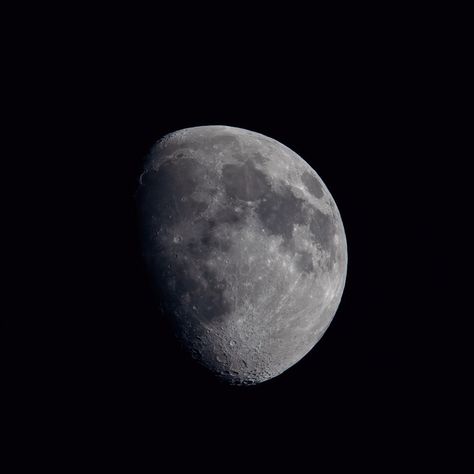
(245, 247)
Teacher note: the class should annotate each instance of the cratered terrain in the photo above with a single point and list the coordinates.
(245, 247)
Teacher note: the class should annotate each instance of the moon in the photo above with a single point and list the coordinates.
(245, 247)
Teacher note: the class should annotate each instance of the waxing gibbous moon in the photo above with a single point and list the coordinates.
(245, 246)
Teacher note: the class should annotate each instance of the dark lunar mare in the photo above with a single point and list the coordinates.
(313, 185)
(244, 182)
(323, 230)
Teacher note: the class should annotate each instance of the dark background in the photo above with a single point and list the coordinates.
(96, 370)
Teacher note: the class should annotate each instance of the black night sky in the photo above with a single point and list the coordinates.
(99, 363)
